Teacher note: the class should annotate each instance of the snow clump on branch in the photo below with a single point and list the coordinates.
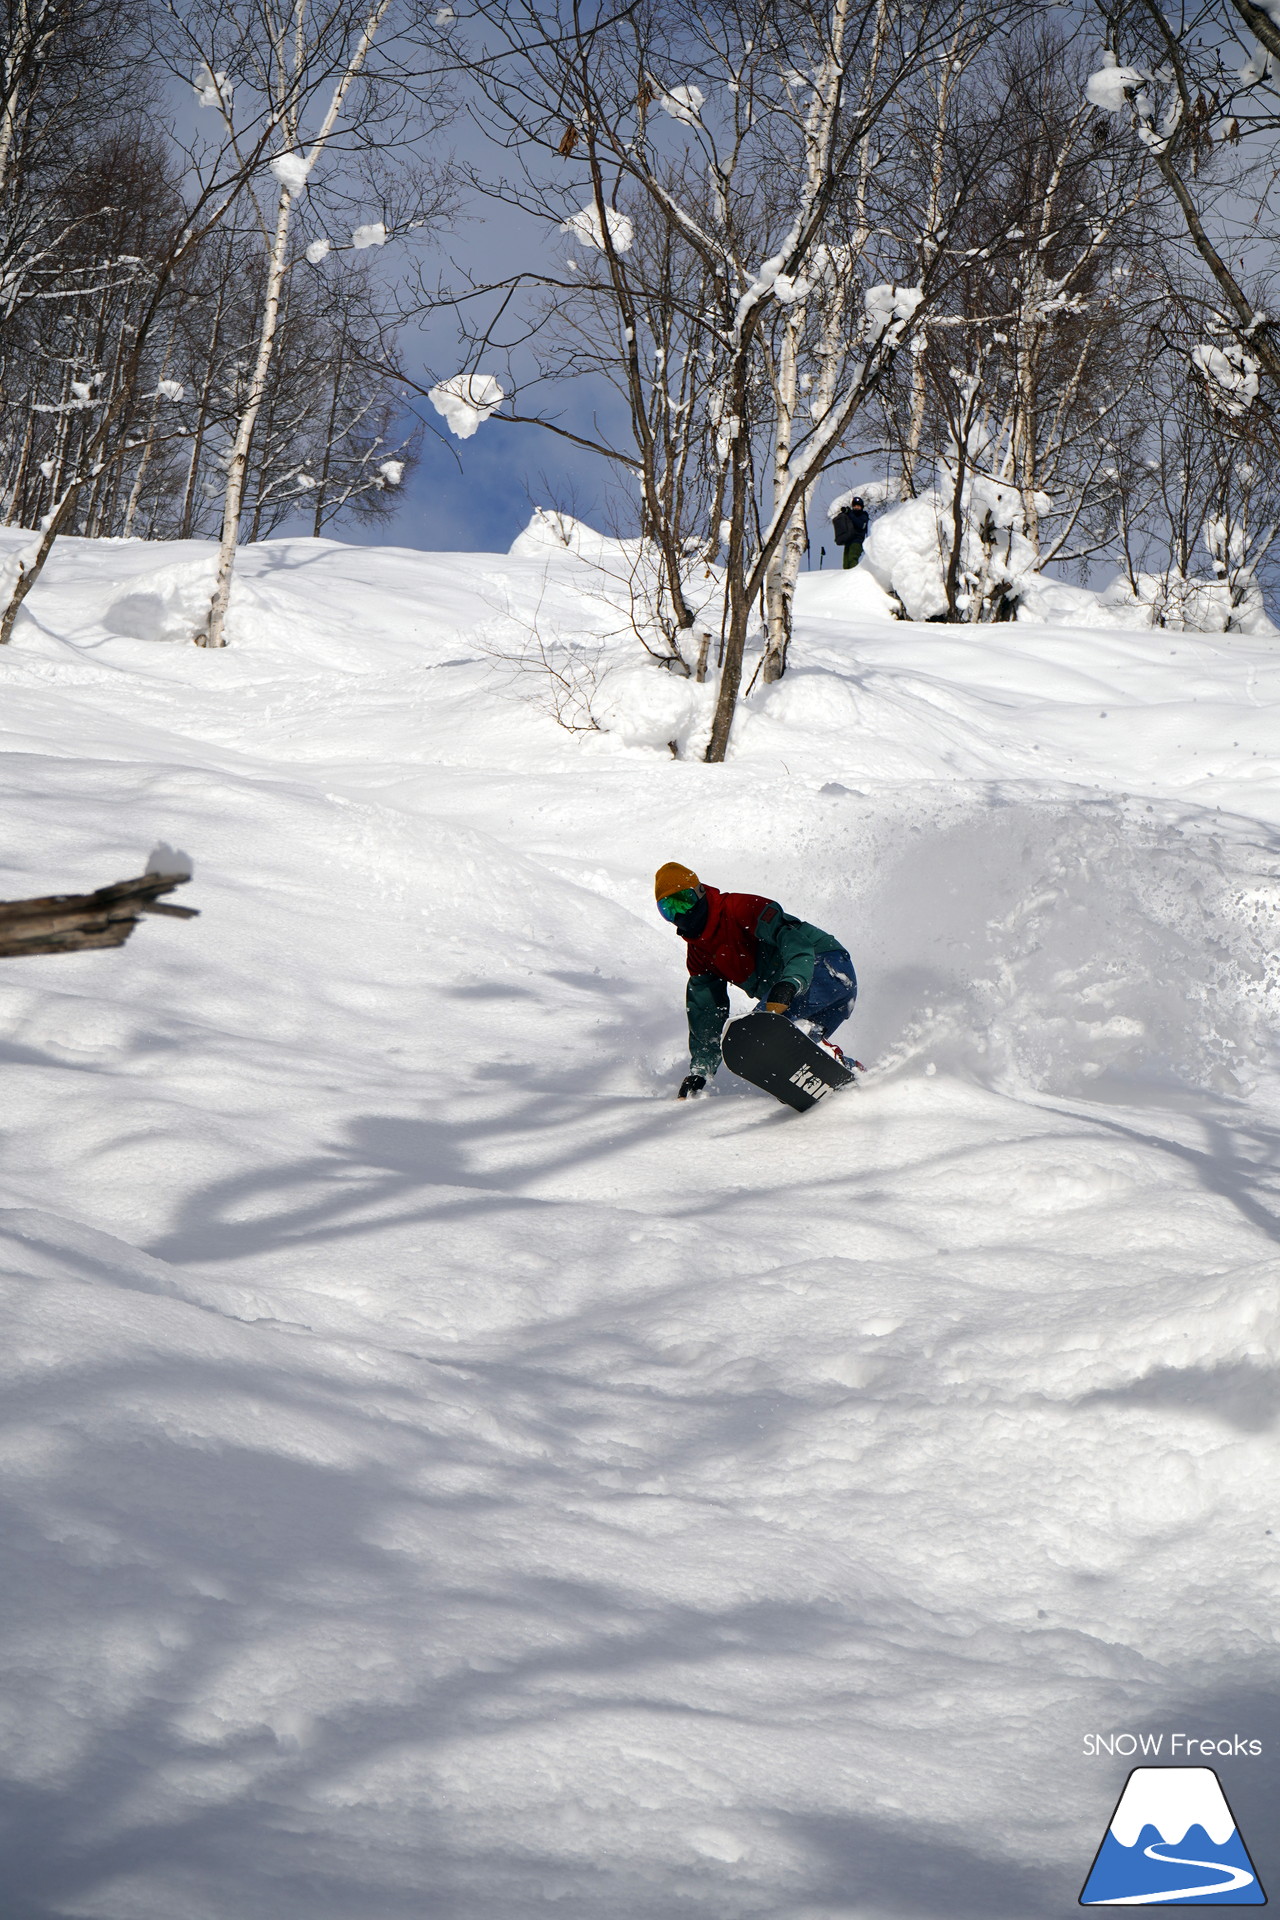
(211, 90)
(587, 228)
(1107, 87)
(291, 170)
(170, 390)
(374, 235)
(466, 400)
(1258, 67)
(1231, 375)
(683, 103)
(890, 310)
(317, 251)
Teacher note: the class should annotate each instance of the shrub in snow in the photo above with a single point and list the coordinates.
(647, 709)
(683, 103)
(1186, 605)
(909, 547)
(163, 605)
(904, 552)
(291, 170)
(560, 531)
(466, 400)
(374, 235)
(586, 227)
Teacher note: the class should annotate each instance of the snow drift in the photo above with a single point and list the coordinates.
(441, 1471)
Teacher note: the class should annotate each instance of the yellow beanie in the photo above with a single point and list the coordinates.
(671, 878)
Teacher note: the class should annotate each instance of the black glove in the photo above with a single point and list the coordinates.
(692, 1083)
(780, 996)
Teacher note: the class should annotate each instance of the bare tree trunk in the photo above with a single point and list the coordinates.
(29, 571)
(20, 476)
(777, 587)
(32, 25)
(322, 485)
(213, 634)
(951, 63)
(738, 608)
(957, 527)
(202, 412)
(148, 445)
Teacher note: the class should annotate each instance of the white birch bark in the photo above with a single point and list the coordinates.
(784, 568)
(213, 634)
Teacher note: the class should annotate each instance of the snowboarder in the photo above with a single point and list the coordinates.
(791, 967)
(849, 524)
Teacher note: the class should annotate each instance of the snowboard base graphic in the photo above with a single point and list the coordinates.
(767, 1050)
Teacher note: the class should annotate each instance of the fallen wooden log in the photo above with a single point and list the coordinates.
(72, 922)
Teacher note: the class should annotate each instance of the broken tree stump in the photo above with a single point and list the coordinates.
(72, 922)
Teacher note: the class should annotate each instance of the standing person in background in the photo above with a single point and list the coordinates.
(849, 524)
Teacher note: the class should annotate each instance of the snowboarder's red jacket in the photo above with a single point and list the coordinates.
(750, 941)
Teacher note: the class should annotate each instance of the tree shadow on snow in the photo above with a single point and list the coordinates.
(405, 1169)
(1239, 1163)
(210, 1776)
(1240, 1393)
(223, 1762)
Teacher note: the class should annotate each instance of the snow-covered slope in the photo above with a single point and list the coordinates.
(447, 1476)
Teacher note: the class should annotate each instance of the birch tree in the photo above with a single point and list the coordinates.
(313, 75)
(1199, 89)
(685, 120)
(213, 178)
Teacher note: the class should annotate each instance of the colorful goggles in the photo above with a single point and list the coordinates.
(674, 906)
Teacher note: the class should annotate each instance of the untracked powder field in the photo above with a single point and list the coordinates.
(445, 1475)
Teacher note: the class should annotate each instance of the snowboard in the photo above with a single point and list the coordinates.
(773, 1054)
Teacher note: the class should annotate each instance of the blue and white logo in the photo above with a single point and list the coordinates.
(1172, 1841)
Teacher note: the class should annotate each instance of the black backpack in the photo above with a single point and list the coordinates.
(850, 524)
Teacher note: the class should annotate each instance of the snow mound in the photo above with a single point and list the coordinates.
(903, 551)
(1090, 947)
(549, 532)
(171, 603)
(909, 545)
(644, 708)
